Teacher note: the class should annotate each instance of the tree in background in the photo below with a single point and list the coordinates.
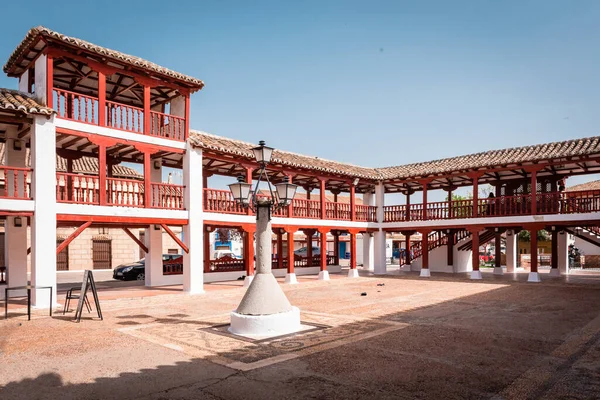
(542, 235)
(228, 234)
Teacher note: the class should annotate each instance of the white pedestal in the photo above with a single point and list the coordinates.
(554, 272)
(291, 279)
(425, 273)
(498, 271)
(476, 275)
(534, 277)
(265, 325)
(323, 275)
(248, 280)
(352, 273)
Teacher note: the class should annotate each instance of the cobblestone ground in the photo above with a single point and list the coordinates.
(440, 338)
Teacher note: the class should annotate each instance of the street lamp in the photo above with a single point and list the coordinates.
(264, 310)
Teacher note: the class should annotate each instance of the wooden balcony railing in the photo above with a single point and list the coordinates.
(125, 192)
(75, 106)
(16, 183)
(366, 213)
(167, 126)
(221, 201)
(341, 211)
(167, 195)
(82, 108)
(77, 188)
(125, 118)
(303, 208)
(226, 264)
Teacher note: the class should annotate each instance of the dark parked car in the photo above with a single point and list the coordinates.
(137, 270)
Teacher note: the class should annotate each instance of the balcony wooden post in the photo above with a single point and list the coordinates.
(336, 247)
(533, 249)
(534, 195)
(352, 203)
(249, 249)
(353, 248)
(476, 200)
(147, 180)
(450, 201)
(291, 206)
(450, 247)
(101, 98)
(475, 248)
(147, 116)
(69, 180)
(425, 252)
(187, 117)
(322, 197)
(424, 183)
(102, 174)
(407, 218)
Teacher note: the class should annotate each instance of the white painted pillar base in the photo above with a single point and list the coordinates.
(43, 222)
(554, 272)
(498, 271)
(248, 280)
(268, 325)
(15, 254)
(511, 252)
(425, 273)
(563, 253)
(476, 275)
(324, 275)
(193, 232)
(291, 279)
(534, 277)
(380, 267)
(153, 268)
(352, 273)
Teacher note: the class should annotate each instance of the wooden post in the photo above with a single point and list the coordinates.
(322, 197)
(206, 239)
(425, 250)
(407, 206)
(69, 180)
(408, 260)
(336, 247)
(290, 250)
(249, 249)
(424, 200)
(147, 180)
(533, 249)
(352, 249)
(323, 242)
(101, 99)
(450, 247)
(291, 206)
(534, 195)
(102, 174)
(498, 250)
(187, 116)
(450, 211)
(249, 180)
(475, 248)
(476, 199)
(554, 249)
(147, 116)
(353, 203)
(309, 241)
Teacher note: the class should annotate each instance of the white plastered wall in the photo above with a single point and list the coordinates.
(193, 262)
(438, 260)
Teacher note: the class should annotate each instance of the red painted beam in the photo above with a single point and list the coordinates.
(175, 238)
(135, 239)
(106, 219)
(72, 237)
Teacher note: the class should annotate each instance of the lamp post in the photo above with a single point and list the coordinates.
(264, 310)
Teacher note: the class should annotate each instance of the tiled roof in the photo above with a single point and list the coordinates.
(492, 158)
(13, 100)
(32, 36)
(84, 165)
(239, 148)
(593, 185)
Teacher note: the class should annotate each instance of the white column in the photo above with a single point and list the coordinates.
(40, 78)
(24, 82)
(193, 266)
(511, 251)
(43, 222)
(380, 260)
(153, 264)
(15, 238)
(563, 252)
(368, 251)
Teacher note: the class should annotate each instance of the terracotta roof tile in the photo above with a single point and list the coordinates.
(593, 185)
(13, 100)
(239, 148)
(31, 39)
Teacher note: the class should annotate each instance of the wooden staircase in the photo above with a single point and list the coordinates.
(436, 239)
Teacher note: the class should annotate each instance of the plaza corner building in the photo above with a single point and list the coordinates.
(83, 115)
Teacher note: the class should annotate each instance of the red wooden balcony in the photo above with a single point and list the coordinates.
(81, 108)
(221, 201)
(85, 189)
(16, 183)
(504, 206)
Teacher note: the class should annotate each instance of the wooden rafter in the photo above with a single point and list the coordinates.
(175, 238)
(72, 236)
(135, 239)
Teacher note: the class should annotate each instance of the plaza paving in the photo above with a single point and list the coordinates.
(440, 338)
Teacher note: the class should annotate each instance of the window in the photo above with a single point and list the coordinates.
(102, 253)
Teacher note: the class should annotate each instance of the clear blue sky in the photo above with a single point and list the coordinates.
(374, 83)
